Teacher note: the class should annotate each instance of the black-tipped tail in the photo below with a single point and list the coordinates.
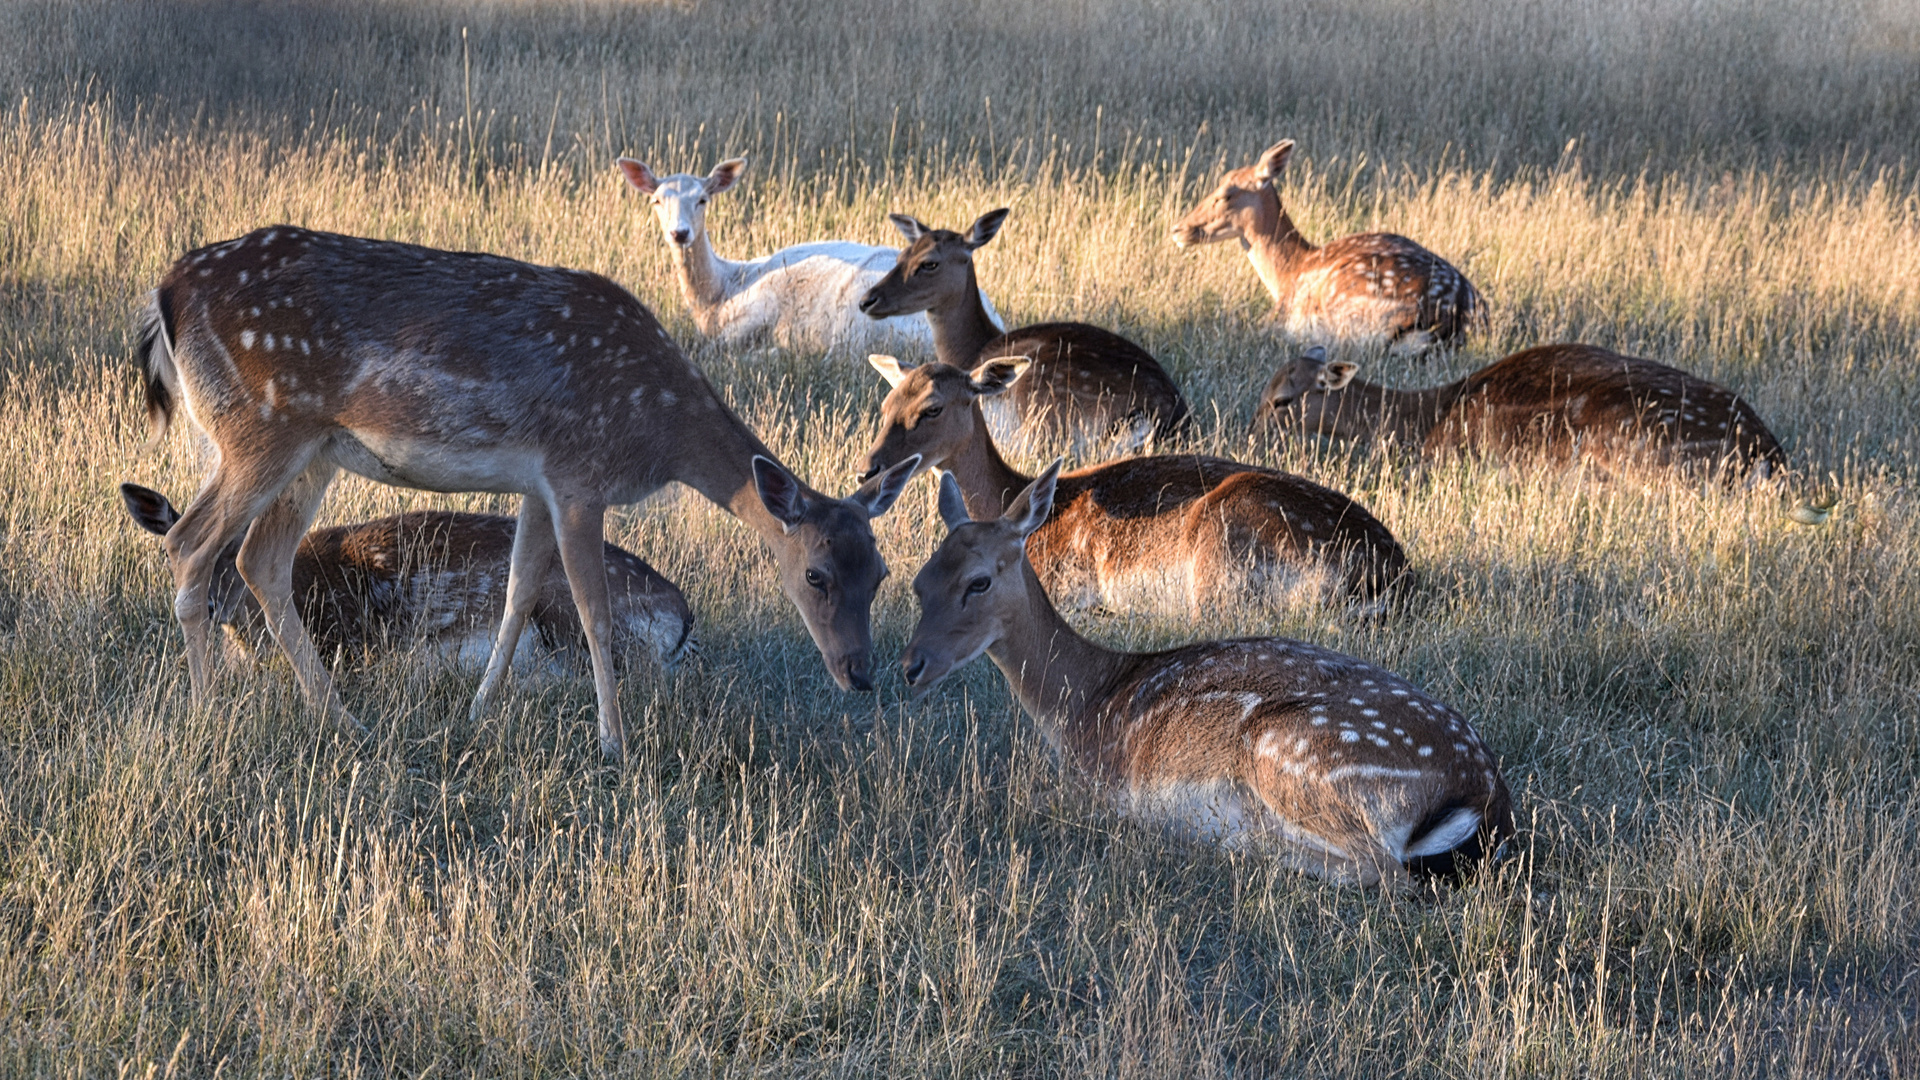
(154, 354)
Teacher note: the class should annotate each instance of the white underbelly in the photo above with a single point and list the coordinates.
(432, 466)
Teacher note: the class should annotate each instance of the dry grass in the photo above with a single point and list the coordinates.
(1711, 716)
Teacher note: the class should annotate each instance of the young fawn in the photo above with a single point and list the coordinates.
(1144, 532)
(1368, 289)
(430, 577)
(1331, 764)
(1089, 388)
(1560, 402)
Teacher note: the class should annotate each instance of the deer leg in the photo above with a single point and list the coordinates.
(582, 537)
(228, 502)
(533, 544)
(266, 565)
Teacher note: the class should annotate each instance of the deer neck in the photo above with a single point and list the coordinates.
(720, 467)
(1060, 677)
(1403, 416)
(706, 280)
(985, 478)
(961, 327)
(1274, 246)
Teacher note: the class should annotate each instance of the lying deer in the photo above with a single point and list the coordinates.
(1146, 531)
(1088, 386)
(302, 353)
(1369, 288)
(1561, 402)
(433, 577)
(1339, 768)
(804, 297)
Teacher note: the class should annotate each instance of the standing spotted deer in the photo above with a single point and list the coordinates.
(1559, 402)
(1178, 530)
(1329, 763)
(1367, 289)
(302, 353)
(432, 577)
(806, 296)
(1090, 387)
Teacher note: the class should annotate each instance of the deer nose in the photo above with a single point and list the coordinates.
(916, 666)
(869, 302)
(681, 236)
(857, 677)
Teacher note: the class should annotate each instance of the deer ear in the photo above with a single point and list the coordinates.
(725, 175)
(986, 227)
(889, 367)
(1273, 160)
(879, 493)
(997, 375)
(953, 505)
(1031, 507)
(910, 227)
(149, 509)
(1317, 354)
(639, 175)
(780, 492)
(1336, 376)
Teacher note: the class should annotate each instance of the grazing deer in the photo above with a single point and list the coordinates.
(1088, 385)
(1339, 768)
(301, 353)
(1561, 402)
(1144, 531)
(1369, 288)
(430, 576)
(804, 297)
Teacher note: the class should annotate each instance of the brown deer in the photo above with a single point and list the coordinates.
(1143, 531)
(1367, 289)
(1559, 402)
(434, 577)
(1088, 386)
(1331, 764)
(301, 353)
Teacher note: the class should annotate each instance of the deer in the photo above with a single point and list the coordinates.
(803, 297)
(1327, 763)
(433, 577)
(1368, 289)
(300, 353)
(1565, 402)
(1088, 385)
(1143, 532)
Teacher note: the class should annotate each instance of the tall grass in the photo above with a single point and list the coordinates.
(1710, 715)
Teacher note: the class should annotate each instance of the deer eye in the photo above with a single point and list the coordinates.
(817, 580)
(926, 268)
(979, 585)
(933, 412)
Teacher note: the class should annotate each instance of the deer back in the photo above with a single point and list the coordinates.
(1562, 401)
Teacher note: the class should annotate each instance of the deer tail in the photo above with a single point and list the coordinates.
(154, 354)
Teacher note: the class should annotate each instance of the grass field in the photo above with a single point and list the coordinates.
(1710, 715)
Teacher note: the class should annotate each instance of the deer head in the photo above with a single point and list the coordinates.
(1307, 393)
(229, 601)
(833, 585)
(680, 201)
(930, 411)
(978, 584)
(1244, 202)
(935, 270)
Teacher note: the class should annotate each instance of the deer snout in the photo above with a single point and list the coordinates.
(683, 237)
(914, 665)
(869, 302)
(857, 676)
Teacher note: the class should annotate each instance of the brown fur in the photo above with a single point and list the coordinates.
(1087, 385)
(432, 576)
(1340, 768)
(301, 353)
(1558, 402)
(1365, 287)
(1213, 530)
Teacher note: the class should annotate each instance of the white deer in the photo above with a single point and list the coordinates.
(803, 297)
(1331, 764)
